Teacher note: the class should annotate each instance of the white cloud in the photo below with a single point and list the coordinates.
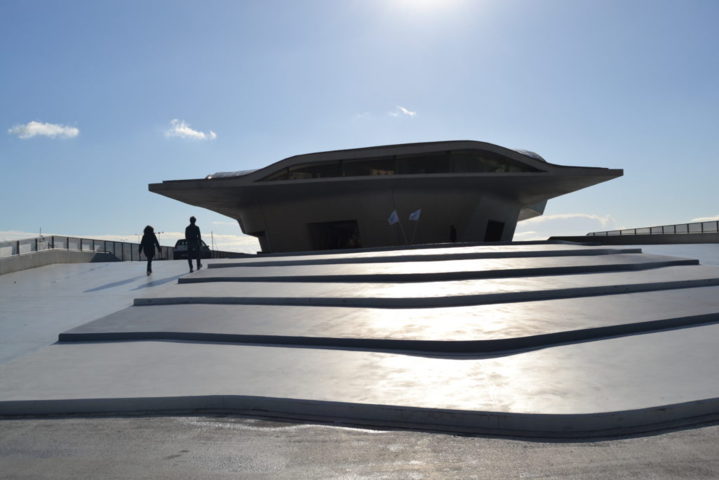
(402, 111)
(602, 220)
(528, 235)
(562, 224)
(179, 128)
(12, 235)
(35, 129)
(705, 219)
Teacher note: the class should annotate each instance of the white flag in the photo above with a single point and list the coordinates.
(393, 218)
(414, 216)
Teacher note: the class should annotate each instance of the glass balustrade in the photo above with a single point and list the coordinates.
(695, 228)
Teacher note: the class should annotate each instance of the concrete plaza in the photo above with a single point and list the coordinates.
(537, 340)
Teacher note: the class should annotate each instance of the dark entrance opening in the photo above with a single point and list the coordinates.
(334, 235)
(494, 231)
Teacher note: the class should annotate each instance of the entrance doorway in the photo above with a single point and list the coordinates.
(334, 235)
(494, 231)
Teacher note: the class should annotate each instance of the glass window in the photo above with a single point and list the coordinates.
(473, 161)
(364, 168)
(426, 163)
(464, 161)
(279, 175)
(315, 170)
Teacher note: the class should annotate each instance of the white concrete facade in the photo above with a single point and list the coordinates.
(463, 191)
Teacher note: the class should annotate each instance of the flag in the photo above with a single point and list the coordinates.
(393, 218)
(414, 216)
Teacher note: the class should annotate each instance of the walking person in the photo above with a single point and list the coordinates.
(194, 243)
(147, 246)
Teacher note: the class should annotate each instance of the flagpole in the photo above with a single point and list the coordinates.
(401, 229)
(394, 218)
(414, 217)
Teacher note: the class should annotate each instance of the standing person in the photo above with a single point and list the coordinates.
(147, 246)
(194, 243)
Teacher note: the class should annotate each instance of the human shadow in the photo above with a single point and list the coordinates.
(114, 284)
(156, 283)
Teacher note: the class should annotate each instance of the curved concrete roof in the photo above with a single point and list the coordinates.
(525, 156)
(223, 193)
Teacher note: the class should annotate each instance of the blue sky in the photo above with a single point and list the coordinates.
(626, 84)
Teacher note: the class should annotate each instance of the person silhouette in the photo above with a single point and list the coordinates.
(147, 246)
(194, 243)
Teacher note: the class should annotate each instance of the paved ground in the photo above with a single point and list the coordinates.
(39, 303)
(468, 323)
(602, 348)
(217, 447)
(706, 253)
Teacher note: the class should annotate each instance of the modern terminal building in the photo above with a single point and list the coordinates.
(417, 193)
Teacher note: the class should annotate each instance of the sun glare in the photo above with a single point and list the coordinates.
(425, 5)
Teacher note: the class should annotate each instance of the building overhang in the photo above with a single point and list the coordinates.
(227, 193)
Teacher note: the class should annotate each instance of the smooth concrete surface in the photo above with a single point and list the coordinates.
(424, 255)
(496, 250)
(707, 254)
(434, 294)
(37, 304)
(550, 388)
(440, 270)
(16, 263)
(614, 353)
(475, 329)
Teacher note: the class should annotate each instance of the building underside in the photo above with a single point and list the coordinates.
(435, 192)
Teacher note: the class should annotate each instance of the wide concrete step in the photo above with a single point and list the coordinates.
(456, 330)
(436, 294)
(435, 249)
(441, 271)
(616, 386)
(422, 257)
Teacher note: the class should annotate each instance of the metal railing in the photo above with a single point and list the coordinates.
(678, 229)
(124, 251)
